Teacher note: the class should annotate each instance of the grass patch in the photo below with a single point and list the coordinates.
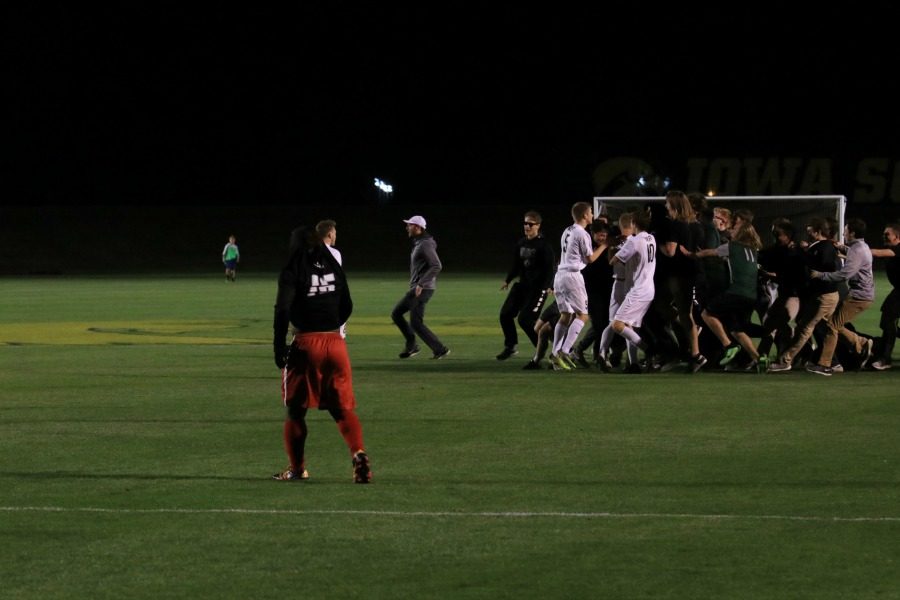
(141, 395)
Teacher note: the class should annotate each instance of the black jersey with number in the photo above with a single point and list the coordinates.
(312, 293)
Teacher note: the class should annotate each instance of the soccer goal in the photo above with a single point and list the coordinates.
(799, 209)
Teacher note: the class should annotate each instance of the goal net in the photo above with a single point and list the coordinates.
(799, 209)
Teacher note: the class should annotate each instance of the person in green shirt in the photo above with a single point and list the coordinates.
(730, 312)
(231, 256)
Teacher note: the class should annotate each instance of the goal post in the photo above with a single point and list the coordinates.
(799, 209)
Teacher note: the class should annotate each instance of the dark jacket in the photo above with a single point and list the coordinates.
(533, 264)
(821, 256)
(424, 264)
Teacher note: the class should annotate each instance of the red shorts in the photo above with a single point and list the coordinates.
(318, 373)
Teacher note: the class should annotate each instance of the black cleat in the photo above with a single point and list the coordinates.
(507, 352)
(410, 352)
(697, 363)
(580, 360)
(361, 471)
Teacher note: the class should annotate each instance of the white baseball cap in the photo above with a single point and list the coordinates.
(416, 220)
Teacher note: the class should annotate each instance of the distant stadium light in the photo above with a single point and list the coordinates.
(384, 186)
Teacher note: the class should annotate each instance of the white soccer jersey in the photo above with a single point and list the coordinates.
(621, 285)
(336, 254)
(576, 249)
(621, 274)
(639, 255)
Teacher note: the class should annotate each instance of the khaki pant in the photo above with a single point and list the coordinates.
(849, 309)
(811, 312)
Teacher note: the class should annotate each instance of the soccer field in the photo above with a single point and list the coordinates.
(140, 421)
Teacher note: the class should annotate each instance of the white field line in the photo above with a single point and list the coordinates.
(492, 515)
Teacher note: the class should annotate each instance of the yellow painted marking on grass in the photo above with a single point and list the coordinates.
(75, 333)
(78, 333)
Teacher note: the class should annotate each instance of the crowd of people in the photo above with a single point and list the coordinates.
(675, 286)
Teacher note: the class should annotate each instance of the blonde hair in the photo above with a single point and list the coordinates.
(722, 212)
(746, 236)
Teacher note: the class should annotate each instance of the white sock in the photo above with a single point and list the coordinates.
(631, 335)
(632, 353)
(606, 339)
(559, 336)
(574, 329)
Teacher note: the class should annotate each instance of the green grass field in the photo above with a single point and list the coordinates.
(140, 420)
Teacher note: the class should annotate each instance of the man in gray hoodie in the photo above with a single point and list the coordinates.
(424, 265)
(857, 272)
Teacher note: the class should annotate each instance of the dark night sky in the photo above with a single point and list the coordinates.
(182, 106)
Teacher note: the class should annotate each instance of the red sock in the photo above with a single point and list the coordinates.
(294, 441)
(351, 429)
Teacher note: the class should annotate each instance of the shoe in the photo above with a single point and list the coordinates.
(750, 367)
(615, 358)
(564, 357)
(290, 475)
(507, 352)
(580, 360)
(867, 350)
(670, 365)
(754, 366)
(881, 365)
(441, 354)
(819, 370)
(837, 368)
(632, 369)
(730, 352)
(557, 364)
(604, 363)
(532, 365)
(410, 352)
(697, 363)
(778, 367)
(361, 471)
